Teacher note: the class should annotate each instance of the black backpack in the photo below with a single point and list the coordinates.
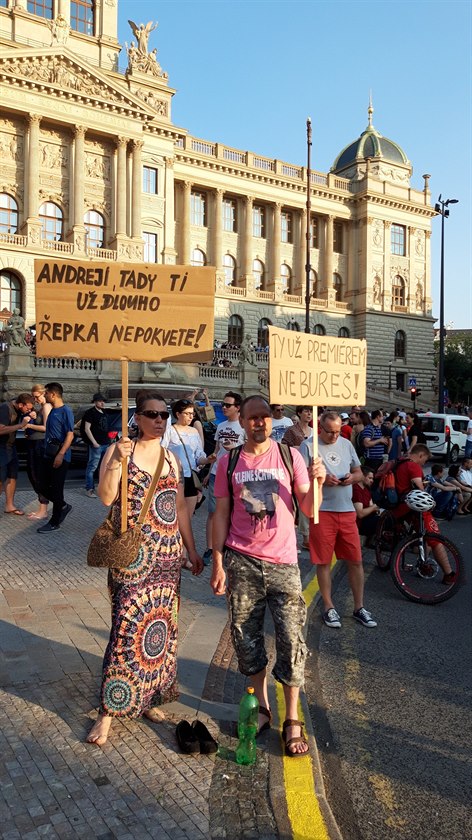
(285, 454)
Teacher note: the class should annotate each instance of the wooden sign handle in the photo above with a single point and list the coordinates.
(124, 433)
(316, 491)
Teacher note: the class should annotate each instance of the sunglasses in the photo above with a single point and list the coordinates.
(153, 415)
(228, 405)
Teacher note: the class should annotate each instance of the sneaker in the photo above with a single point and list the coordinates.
(207, 557)
(91, 494)
(65, 510)
(449, 578)
(47, 528)
(331, 618)
(364, 617)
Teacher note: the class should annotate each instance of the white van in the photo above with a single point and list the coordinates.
(440, 429)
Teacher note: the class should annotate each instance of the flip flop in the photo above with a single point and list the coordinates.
(207, 742)
(16, 512)
(187, 564)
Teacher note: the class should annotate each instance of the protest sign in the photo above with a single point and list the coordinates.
(135, 312)
(316, 369)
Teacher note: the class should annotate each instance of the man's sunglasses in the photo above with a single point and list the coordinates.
(153, 415)
(228, 405)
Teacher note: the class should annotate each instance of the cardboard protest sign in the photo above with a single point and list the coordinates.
(316, 369)
(135, 312)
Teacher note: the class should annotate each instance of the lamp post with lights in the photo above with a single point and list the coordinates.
(441, 207)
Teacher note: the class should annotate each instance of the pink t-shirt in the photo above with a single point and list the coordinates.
(262, 520)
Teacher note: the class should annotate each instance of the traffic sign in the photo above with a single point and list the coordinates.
(411, 382)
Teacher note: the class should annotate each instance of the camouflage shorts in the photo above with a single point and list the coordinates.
(252, 585)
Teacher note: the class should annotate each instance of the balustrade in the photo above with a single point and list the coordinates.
(85, 365)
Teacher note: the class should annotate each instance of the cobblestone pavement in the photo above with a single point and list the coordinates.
(54, 625)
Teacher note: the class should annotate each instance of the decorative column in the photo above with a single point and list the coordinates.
(185, 225)
(274, 279)
(78, 227)
(122, 146)
(32, 225)
(299, 267)
(169, 254)
(428, 303)
(136, 190)
(387, 280)
(328, 260)
(248, 239)
(411, 297)
(218, 229)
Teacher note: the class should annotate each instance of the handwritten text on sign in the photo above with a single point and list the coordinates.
(316, 369)
(138, 312)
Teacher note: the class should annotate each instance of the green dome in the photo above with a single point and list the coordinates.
(370, 144)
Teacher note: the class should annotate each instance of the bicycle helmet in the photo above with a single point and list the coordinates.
(420, 500)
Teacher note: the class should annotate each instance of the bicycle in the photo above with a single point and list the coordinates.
(406, 551)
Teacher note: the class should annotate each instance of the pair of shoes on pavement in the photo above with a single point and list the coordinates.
(91, 494)
(332, 618)
(195, 738)
(50, 526)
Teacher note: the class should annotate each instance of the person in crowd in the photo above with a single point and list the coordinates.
(465, 491)
(336, 532)
(396, 437)
(228, 434)
(14, 415)
(375, 444)
(366, 510)
(415, 432)
(35, 434)
(300, 430)
(346, 428)
(186, 445)
(95, 423)
(140, 664)
(253, 529)
(468, 443)
(444, 493)
(197, 415)
(58, 439)
(280, 423)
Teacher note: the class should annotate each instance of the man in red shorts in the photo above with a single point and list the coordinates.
(409, 476)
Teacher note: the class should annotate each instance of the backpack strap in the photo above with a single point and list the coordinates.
(232, 461)
(286, 455)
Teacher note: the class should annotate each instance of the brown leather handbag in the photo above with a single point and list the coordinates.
(113, 549)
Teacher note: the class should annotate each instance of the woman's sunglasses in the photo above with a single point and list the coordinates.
(153, 415)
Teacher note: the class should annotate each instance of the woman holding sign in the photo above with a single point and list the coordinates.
(140, 666)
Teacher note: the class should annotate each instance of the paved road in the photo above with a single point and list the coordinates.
(392, 710)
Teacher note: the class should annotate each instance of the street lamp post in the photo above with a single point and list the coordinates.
(441, 208)
(308, 226)
(390, 375)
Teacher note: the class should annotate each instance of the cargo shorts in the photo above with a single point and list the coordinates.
(253, 584)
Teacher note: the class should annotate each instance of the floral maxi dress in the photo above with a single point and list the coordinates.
(140, 663)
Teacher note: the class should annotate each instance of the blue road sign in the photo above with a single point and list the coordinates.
(412, 382)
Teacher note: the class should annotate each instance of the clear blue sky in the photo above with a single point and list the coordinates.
(248, 73)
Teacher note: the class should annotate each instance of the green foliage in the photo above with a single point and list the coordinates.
(458, 369)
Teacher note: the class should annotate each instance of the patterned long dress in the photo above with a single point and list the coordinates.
(140, 664)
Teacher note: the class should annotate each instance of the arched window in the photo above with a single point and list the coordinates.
(95, 228)
(286, 278)
(263, 332)
(198, 257)
(235, 330)
(259, 274)
(293, 325)
(314, 285)
(229, 265)
(337, 286)
(398, 291)
(319, 329)
(343, 332)
(10, 293)
(399, 350)
(42, 8)
(81, 16)
(51, 221)
(8, 214)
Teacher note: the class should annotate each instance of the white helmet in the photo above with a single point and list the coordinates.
(420, 500)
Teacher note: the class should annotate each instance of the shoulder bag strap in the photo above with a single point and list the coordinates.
(185, 449)
(152, 487)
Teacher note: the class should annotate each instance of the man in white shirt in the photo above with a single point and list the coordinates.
(279, 423)
(468, 443)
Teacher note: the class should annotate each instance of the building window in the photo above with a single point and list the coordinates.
(314, 233)
(198, 257)
(263, 333)
(343, 332)
(81, 16)
(229, 265)
(286, 227)
(259, 274)
(398, 240)
(51, 221)
(398, 291)
(314, 284)
(338, 230)
(399, 350)
(149, 180)
(286, 278)
(42, 8)
(400, 381)
(229, 215)
(198, 208)
(95, 229)
(293, 325)
(8, 214)
(10, 292)
(337, 286)
(318, 329)
(4, 3)
(150, 247)
(258, 221)
(235, 330)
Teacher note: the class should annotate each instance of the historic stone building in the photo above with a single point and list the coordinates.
(93, 166)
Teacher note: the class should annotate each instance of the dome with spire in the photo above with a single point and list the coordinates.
(371, 144)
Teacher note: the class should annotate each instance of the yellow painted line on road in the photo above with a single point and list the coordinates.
(303, 807)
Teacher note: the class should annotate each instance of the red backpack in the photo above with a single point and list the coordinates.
(384, 491)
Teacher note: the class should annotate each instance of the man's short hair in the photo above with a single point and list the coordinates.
(436, 469)
(420, 449)
(367, 470)
(249, 399)
(328, 415)
(55, 388)
(376, 413)
(25, 398)
(236, 397)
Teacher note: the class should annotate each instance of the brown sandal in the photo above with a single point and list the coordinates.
(268, 714)
(299, 740)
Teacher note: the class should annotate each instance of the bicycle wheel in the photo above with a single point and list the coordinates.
(385, 539)
(416, 573)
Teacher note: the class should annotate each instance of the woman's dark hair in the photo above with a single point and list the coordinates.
(364, 417)
(178, 406)
(454, 470)
(144, 395)
(300, 408)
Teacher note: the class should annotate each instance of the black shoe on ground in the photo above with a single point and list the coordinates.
(47, 528)
(65, 510)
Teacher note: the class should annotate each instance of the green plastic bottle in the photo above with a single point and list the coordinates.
(247, 727)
